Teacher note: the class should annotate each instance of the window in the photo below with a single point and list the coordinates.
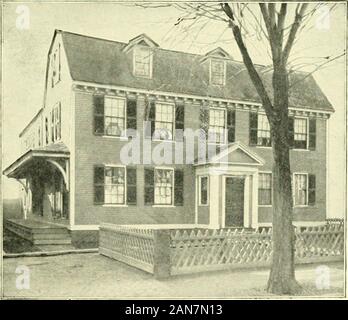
(110, 114)
(217, 126)
(217, 72)
(115, 185)
(300, 133)
(263, 131)
(143, 62)
(163, 186)
(301, 189)
(55, 65)
(164, 121)
(203, 191)
(114, 119)
(39, 136)
(265, 189)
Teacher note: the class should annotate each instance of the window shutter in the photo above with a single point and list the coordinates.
(179, 120)
(311, 189)
(204, 119)
(253, 128)
(150, 115)
(131, 186)
(291, 132)
(178, 187)
(98, 102)
(149, 186)
(312, 133)
(131, 114)
(99, 177)
(60, 120)
(231, 125)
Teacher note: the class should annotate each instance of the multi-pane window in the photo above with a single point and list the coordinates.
(265, 189)
(164, 122)
(217, 72)
(300, 133)
(114, 119)
(301, 189)
(55, 123)
(203, 190)
(263, 131)
(217, 123)
(114, 187)
(163, 186)
(142, 61)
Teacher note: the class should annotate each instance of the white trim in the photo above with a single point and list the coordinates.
(294, 191)
(72, 160)
(199, 191)
(267, 205)
(114, 205)
(196, 199)
(188, 96)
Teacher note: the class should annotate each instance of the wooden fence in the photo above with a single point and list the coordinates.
(166, 252)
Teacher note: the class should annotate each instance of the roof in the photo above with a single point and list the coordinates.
(233, 153)
(30, 122)
(104, 62)
(57, 150)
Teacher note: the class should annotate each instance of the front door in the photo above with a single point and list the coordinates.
(234, 202)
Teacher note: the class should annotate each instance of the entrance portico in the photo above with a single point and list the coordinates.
(232, 177)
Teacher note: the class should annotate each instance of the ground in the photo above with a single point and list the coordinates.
(92, 275)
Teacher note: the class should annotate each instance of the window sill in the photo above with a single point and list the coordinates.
(265, 206)
(264, 147)
(302, 206)
(301, 149)
(163, 206)
(203, 205)
(114, 137)
(159, 140)
(115, 205)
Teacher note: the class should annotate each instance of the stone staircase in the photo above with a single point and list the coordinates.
(39, 233)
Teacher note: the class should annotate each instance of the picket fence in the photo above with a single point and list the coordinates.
(167, 251)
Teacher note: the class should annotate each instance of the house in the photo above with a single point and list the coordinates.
(71, 168)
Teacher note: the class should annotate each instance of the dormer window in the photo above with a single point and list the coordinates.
(217, 72)
(143, 62)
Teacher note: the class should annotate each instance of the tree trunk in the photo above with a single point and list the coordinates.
(282, 275)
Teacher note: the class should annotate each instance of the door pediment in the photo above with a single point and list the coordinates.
(236, 153)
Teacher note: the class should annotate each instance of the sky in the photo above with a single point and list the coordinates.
(25, 53)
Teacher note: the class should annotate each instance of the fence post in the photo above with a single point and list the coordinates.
(161, 254)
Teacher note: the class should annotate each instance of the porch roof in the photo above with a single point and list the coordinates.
(234, 153)
(17, 168)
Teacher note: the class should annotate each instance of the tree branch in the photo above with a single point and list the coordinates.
(295, 26)
(254, 76)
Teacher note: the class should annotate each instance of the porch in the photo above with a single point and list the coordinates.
(43, 174)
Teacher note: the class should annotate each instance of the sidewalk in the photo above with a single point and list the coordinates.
(93, 275)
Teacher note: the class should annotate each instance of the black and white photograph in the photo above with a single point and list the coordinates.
(174, 150)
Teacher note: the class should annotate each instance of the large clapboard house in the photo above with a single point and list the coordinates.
(71, 169)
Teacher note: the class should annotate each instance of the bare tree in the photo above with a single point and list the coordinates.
(270, 22)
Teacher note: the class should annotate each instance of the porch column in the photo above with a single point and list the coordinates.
(214, 195)
(255, 200)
